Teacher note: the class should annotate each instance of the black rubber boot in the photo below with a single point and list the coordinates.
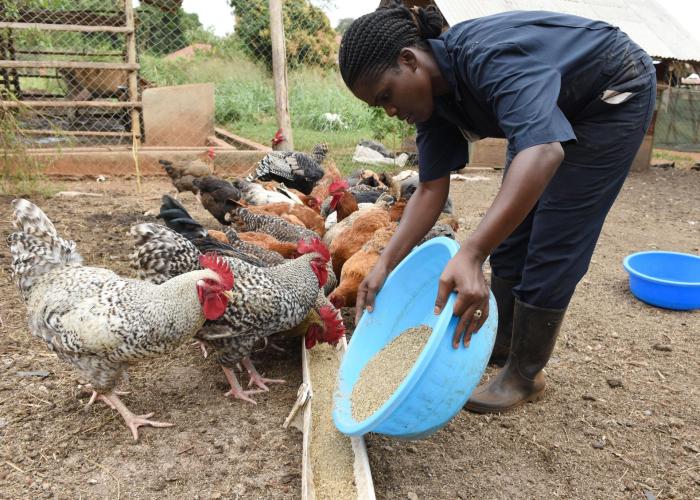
(503, 292)
(521, 380)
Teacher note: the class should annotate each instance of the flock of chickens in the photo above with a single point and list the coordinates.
(296, 240)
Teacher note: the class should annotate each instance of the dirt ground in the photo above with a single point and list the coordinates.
(585, 440)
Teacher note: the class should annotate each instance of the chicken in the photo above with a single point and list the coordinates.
(396, 210)
(359, 265)
(182, 174)
(308, 217)
(216, 195)
(409, 185)
(320, 191)
(245, 220)
(323, 323)
(100, 322)
(295, 170)
(334, 228)
(342, 201)
(179, 220)
(366, 177)
(264, 300)
(218, 235)
(350, 240)
(256, 194)
(262, 245)
(282, 249)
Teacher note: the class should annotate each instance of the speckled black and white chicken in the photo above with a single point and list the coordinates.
(244, 220)
(100, 322)
(264, 300)
(294, 169)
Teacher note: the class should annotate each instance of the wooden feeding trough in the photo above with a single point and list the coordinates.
(334, 466)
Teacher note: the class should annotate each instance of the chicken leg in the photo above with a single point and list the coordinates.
(237, 391)
(132, 421)
(256, 378)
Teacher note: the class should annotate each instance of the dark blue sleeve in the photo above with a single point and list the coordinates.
(441, 148)
(522, 92)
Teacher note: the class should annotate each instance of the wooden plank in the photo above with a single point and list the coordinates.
(68, 104)
(178, 115)
(215, 141)
(307, 476)
(119, 160)
(90, 17)
(279, 73)
(133, 76)
(82, 133)
(361, 468)
(68, 53)
(68, 64)
(65, 27)
(241, 141)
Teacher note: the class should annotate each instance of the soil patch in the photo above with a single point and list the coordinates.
(584, 440)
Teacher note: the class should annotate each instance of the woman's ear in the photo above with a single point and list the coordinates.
(407, 57)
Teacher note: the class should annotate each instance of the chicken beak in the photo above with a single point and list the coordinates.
(228, 294)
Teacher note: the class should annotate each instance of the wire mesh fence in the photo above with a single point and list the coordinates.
(678, 120)
(124, 74)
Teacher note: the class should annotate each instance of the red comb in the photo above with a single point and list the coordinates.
(219, 266)
(334, 326)
(316, 245)
(339, 185)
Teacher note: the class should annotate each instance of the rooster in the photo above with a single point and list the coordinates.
(320, 324)
(294, 169)
(183, 174)
(100, 322)
(265, 300)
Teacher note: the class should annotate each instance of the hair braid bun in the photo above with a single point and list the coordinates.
(429, 21)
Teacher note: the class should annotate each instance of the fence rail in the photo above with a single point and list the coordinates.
(104, 73)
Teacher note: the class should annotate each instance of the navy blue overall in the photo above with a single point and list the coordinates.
(534, 78)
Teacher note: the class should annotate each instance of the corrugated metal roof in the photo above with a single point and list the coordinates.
(645, 21)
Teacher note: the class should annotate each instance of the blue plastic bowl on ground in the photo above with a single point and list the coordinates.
(665, 279)
(443, 378)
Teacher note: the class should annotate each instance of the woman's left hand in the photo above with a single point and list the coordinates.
(463, 274)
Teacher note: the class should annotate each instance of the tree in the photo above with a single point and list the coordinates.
(344, 24)
(310, 40)
(163, 32)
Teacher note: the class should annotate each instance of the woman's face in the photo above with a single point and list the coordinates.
(404, 92)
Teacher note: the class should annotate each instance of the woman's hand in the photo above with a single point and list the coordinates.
(368, 289)
(464, 275)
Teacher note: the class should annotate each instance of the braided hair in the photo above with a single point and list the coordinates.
(373, 42)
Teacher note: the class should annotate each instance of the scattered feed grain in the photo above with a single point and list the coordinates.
(383, 374)
(332, 458)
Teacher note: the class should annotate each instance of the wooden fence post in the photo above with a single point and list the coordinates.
(279, 72)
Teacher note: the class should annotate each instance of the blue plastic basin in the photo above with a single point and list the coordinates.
(443, 378)
(665, 279)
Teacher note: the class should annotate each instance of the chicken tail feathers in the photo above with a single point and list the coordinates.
(160, 253)
(177, 218)
(36, 247)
